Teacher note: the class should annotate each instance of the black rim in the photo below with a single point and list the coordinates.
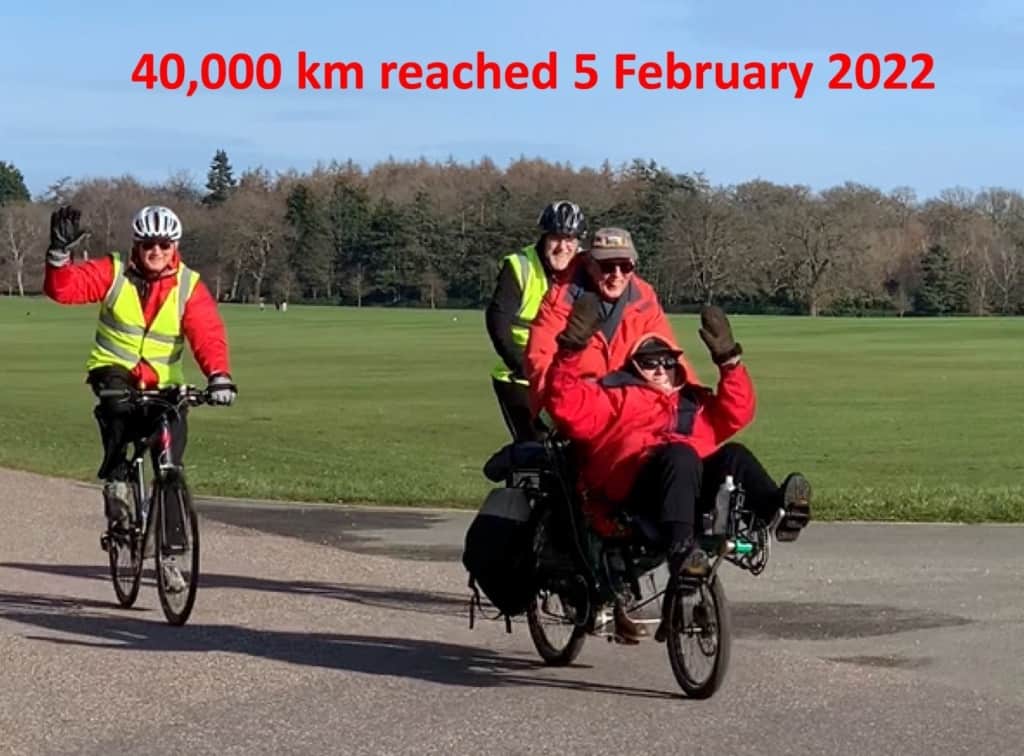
(176, 547)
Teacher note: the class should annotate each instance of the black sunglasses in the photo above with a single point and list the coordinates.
(610, 266)
(148, 244)
(666, 361)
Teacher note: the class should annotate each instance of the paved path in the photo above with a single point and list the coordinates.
(341, 630)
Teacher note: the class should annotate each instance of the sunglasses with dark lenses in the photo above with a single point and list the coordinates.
(666, 361)
(610, 266)
(164, 244)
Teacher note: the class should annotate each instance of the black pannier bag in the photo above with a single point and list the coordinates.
(499, 553)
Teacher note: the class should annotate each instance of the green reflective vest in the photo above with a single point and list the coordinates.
(533, 283)
(122, 337)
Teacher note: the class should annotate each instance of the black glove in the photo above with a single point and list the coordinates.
(65, 235)
(584, 320)
(717, 334)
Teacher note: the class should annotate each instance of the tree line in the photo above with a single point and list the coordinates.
(431, 234)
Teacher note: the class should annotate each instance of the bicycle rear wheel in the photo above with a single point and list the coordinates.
(177, 550)
(124, 549)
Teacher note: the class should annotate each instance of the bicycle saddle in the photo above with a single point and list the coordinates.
(525, 454)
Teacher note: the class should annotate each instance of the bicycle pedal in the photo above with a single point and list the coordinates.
(105, 542)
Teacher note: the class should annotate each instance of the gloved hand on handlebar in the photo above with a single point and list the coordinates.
(65, 235)
(222, 389)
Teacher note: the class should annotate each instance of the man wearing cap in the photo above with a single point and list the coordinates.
(628, 308)
(652, 440)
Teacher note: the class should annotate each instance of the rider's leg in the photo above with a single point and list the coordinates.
(514, 402)
(668, 487)
(763, 494)
(671, 481)
(114, 417)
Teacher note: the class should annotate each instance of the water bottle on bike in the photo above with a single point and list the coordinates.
(723, 506)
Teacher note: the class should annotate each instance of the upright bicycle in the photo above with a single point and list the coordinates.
(163, 524)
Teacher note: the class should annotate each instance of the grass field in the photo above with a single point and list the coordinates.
(891, 419)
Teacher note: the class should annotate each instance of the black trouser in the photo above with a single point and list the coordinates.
(121, 423)
(675, 487)
(514, 401)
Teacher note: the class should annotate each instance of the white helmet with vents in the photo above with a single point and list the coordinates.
(156, 222)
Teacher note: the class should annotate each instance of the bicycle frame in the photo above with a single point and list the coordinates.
(734, 541)
(159, 440)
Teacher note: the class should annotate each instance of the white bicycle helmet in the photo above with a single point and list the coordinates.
(156, 222)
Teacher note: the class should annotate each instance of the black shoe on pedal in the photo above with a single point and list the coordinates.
(686, 561)
(796, 502)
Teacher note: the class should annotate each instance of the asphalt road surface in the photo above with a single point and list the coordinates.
(340, 630)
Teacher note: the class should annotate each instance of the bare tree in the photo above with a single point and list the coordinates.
(704, 234)
(23, 230)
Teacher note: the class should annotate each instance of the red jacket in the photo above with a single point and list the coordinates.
(641, 314)
(88, 282)
(618, 420)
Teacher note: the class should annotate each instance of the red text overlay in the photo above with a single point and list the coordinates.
(583, 71)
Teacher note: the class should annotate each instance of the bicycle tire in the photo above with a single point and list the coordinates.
(721, 622)
(553, 654)
(177, 605)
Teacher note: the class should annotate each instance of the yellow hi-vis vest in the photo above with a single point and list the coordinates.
(533, 283)
(121, 334)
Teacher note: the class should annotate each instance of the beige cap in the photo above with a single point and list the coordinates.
(612, 244)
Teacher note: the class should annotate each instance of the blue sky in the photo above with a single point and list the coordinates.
(69, 107)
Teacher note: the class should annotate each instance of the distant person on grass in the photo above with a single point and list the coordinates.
(652, 440)
(523, 281)
(150, 302)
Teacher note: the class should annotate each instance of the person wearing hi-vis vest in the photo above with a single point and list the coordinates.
(150, 302)
(522, 283)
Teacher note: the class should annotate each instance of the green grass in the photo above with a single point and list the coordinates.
(891, 419)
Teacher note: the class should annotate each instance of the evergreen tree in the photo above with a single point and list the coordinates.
(12, 185)
(220, 181)
(311, 255)
(942, 288)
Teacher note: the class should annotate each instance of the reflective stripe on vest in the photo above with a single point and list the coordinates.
(122, 337)
(533, 285)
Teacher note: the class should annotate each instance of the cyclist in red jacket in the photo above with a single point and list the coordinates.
(150, 303)
(652, 440)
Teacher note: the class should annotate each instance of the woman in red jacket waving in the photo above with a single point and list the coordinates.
(652, 441)
(150, 304)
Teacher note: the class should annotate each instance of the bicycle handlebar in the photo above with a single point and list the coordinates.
(185, 395)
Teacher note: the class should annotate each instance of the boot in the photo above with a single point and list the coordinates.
(796, 502)
(685, 560)
(626, 630)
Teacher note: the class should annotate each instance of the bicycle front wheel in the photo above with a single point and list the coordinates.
(177, 550)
